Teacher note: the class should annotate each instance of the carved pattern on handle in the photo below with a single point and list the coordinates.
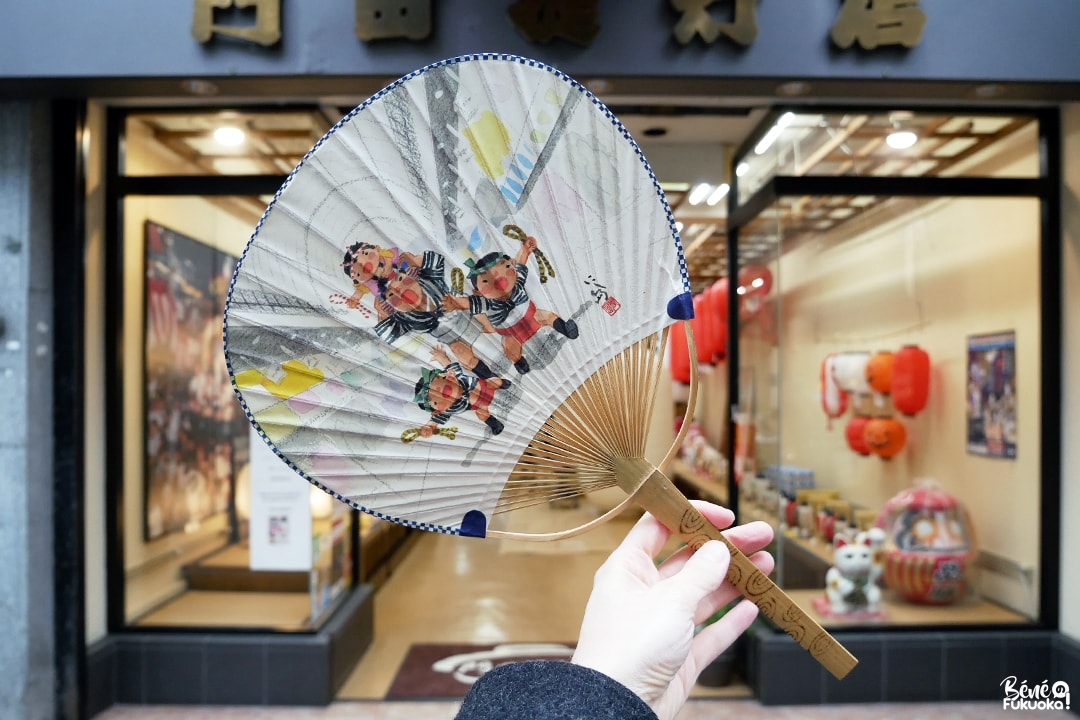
(660, 497)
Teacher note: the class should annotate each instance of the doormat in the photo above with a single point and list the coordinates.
(448, 671)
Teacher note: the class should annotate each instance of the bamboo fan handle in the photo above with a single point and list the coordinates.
(661, 498)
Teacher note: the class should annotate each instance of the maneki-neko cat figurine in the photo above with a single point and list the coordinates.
(851, 584)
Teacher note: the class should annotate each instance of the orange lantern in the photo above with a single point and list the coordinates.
(879, 372)
(885, 437)
(856, 434)
(680, 353)
(910, 379)
(834, 401)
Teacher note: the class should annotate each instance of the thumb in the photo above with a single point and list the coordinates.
(703, 573)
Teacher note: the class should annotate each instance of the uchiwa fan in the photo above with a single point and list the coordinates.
(456, 306)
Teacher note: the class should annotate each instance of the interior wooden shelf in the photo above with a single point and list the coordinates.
(899, 612)
(710, 488)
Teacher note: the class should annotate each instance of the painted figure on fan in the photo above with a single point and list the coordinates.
(450, 391)
(412, 300)
(501, 302)
(369, 266)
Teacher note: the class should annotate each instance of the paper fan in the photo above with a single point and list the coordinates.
(457, 304)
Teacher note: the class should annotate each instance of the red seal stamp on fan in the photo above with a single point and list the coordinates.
(611, 306)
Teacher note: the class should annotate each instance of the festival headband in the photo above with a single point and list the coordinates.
(475, 268)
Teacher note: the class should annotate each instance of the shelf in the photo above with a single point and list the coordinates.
(707, 487)
(900, 613)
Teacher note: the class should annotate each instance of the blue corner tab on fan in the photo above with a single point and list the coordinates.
(474, 524)
(681, 307)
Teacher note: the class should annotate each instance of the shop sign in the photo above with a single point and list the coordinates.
(879, 22)
(385, 19)
(870, 23)
(696, 20)
(266, 30)
(541, 21)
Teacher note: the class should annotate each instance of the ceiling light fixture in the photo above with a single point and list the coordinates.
(793, 88)
(229, 136)
(989, 90)
(699, 193)
(901, 139)
(202, 88)
(742, 169)
(718, 194)
(774, 132)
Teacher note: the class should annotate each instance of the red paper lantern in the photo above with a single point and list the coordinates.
(910, 379)
(755, 280)
(703, 336)
(856, 434)
(716, 306)
(879, 372)
(680, 353)
(885, 437)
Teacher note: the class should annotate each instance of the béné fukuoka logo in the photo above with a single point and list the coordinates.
(1020, 695)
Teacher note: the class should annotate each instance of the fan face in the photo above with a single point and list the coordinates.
(444, 268)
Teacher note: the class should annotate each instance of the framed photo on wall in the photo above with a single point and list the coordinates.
(991, 395)
(192, 417)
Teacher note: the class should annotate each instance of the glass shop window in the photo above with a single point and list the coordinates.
(889, 369)
(215, 531)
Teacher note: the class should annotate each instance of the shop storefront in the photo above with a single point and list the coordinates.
(166, 517)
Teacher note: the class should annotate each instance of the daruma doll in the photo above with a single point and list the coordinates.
(929, 545)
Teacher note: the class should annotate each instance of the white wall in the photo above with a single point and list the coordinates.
(1070, 455)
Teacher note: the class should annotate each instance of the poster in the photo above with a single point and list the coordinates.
(991, 395)
(192, 416)
(280, 531)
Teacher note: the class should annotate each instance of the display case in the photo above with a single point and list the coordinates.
(895, 287)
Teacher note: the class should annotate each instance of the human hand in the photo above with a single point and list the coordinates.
(639, 624)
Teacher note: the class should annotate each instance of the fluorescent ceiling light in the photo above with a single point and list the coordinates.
(229, 136)
(717, 194)
(699, 193)
(774, 132)
(741, 169)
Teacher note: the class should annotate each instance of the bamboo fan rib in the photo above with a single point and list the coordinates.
(606, 418)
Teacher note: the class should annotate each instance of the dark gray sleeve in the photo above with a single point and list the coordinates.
(551, 690)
